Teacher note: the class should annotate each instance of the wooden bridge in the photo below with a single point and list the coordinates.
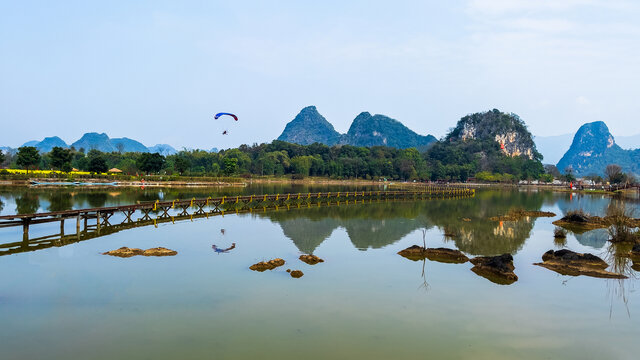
(154, 213)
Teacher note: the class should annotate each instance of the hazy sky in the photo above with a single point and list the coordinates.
(157, 71)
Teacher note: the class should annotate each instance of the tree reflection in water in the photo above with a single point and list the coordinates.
(377, 225)
(27, 203)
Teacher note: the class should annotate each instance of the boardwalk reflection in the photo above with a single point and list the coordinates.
(372, 225)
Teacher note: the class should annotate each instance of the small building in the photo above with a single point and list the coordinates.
(115, 170)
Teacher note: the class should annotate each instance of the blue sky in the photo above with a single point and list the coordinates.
(157, 71)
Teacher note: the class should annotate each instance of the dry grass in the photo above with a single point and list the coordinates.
(559, 233)
(622, 225)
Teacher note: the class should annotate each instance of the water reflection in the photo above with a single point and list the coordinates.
(40, 199)
(27, 203)
(60, 201)
(368, 226)
(466, 221)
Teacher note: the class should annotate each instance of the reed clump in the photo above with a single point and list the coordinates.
(622, 225)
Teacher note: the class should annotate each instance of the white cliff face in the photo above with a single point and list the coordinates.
(509, 142)
(610, 141)
(509, 145)
(468, 132)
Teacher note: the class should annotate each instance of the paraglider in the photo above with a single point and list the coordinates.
(229, 114)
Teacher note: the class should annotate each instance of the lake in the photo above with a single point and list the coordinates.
(364, 301)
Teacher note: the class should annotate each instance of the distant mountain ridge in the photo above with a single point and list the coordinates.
(593, 148)
(309, 127)
(102, 142)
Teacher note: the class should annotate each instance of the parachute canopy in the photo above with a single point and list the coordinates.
(221, 114)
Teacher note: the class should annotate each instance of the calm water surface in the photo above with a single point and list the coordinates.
(363, 301)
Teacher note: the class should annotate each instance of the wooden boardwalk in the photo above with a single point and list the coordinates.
(154, 213)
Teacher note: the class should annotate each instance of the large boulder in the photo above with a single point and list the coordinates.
(567, 262)
(498, 269)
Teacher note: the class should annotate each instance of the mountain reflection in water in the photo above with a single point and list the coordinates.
(380, 224)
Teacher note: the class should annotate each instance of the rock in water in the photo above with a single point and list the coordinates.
(567, 262)
(267, 265)
(497, 269)
(445, 255)
(415, 253)
(295, 273)
(310, 259)
(159, 251)
(126, 252)
(570, 257)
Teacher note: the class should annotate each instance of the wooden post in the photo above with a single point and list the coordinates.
(25, 229)
(62, 227)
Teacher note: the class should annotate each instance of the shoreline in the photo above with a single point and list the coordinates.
(239, 182)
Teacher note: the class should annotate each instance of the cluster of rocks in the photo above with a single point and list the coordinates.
(272, 264)
(498, 269)
(126, 252)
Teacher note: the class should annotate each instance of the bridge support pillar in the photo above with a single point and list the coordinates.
(61, 227)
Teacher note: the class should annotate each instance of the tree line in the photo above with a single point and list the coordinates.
(279, 158)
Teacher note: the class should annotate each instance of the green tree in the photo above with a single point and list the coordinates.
(302, 164)
(243, 160)
(127, 165)
(97, 163)
(568, 174)
(181, 164)
(2, 157)
(66, 167)
(230, 166)
(28, 156)
(59, 157)
(150, 163)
